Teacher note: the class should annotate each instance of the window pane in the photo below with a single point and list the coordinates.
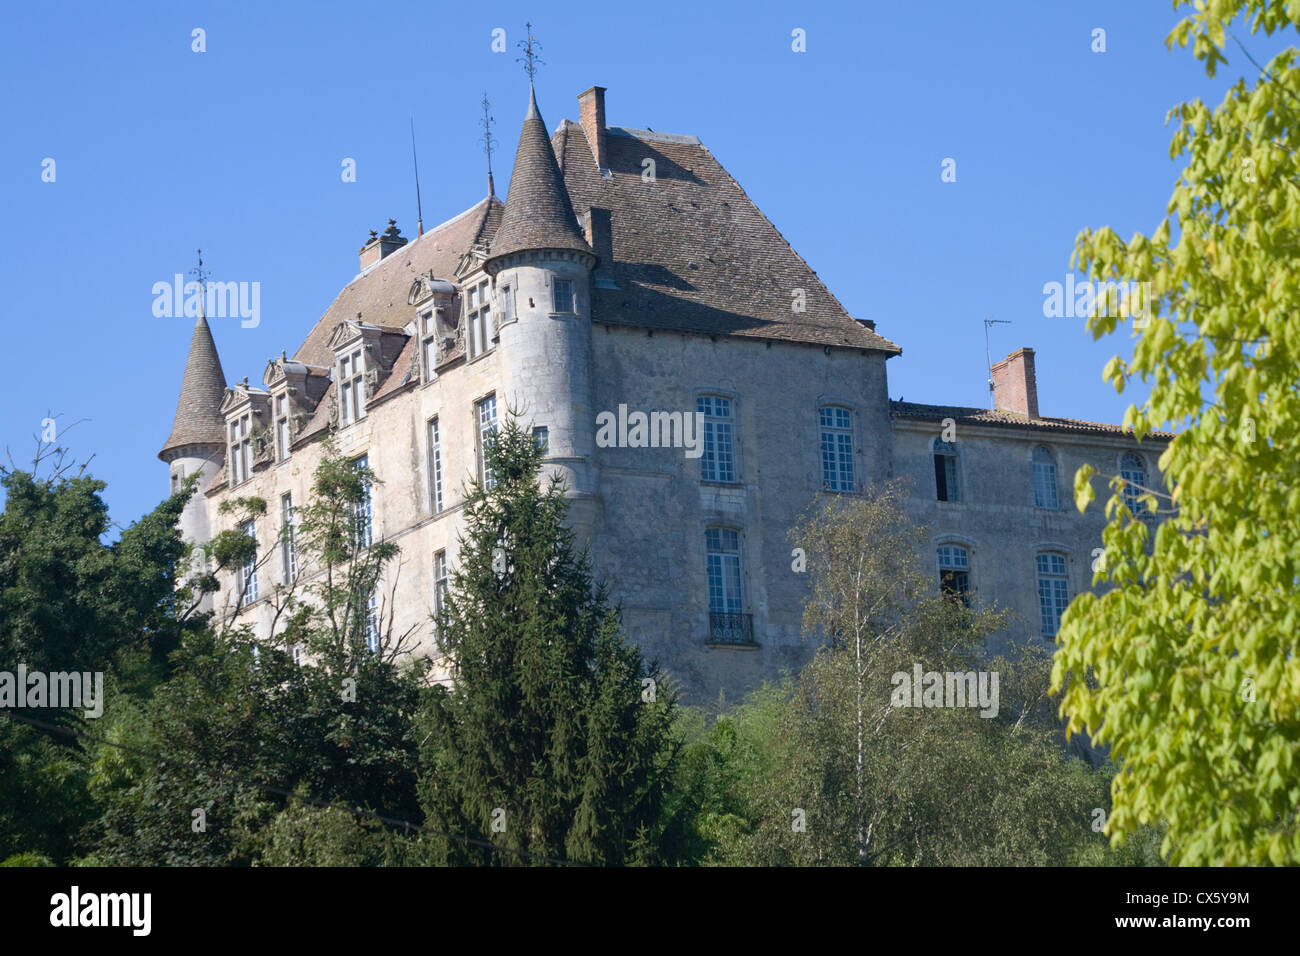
(717, 462)
(563, 295)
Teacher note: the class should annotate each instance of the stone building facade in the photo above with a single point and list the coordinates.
(628, 274)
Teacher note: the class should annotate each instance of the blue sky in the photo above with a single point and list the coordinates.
(160, 150)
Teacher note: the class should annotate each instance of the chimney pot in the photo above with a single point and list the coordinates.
(591, 111)
(1015, 386)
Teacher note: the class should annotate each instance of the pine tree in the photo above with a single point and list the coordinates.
(553, 738)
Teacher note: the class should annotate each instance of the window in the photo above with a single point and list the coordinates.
(352, 401)
(717, 463)
(837, 448)
(486, 415)
(297, 653)
(177, 475)
(365, 515)
(945, 471)
(954, 572)
(429, 343)
(1053, 591)
(435, 467)
(241, 450)
(563, 295)
(281, 428)
(1134, 473)
(1044, 479)
(246, 579)
(479, 309)
(507, 304)
(724, 570)
(288, 547)
(439, 581)
(542, 438)
(372, 620)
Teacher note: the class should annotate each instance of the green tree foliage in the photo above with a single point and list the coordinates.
(239, 717)
(548, 740)
(1187, 666)
(833, 773)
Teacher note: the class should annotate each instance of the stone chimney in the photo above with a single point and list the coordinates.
(591, 106)
(1015, 388)
(377, 247)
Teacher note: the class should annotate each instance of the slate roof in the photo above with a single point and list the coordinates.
(538, 212)
(379, 293)
(198, 418)
(984, 416)
(691, 251)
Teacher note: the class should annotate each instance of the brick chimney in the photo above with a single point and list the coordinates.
(377, 247)
(1015, 387)
(591, 110)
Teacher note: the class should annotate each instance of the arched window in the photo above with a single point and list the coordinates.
(1053, 590)
(1134, 473)
(1044, 479)
(946, 485)
(954, 572)
(718, 462)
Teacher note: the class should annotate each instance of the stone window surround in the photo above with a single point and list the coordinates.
(737, 445)
(855, 429)
(1033, 478)
(962, 541)
(959, 453)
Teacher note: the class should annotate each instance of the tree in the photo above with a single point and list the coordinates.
(554, 738)
(243, 722)
(855, 774)
(1187, 667)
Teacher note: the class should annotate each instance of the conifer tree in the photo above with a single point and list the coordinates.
(553, 738)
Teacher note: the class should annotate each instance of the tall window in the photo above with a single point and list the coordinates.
(486, 414)
(1134, 473)
(1044, 479)
(718, 462)
(288, 547)
(1053, 591)
(723, 546)
(946, 485)
(247, 578)
(429, 343)
(479, 309)
(837, 448)
(563, 295)
(352, 398)
(439, 581)
(507, 304)
(281, 428)
(542, 438)
(365, 510)
(435, 467)
(372, 619)
(954, 572)
(241, 450)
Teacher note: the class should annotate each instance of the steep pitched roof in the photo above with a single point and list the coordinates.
(379, 293)
(984, 416)
(198, 410)
(691, 251)
(539, 214)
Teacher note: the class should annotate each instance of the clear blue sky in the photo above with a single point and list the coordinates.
(237, 150)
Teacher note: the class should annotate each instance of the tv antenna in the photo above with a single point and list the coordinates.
(988, 358)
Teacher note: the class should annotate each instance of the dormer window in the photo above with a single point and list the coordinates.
(241, 449)
(479, 310)
(429, 343)
(352, 396)
(282, 428)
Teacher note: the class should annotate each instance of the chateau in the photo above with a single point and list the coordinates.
(627, 272)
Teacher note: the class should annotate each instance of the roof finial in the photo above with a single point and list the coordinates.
(530, 59)
(419, 211)
(199, 273)
(487, 141)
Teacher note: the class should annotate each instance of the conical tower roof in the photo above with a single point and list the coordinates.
(198, 410)
(538, 214)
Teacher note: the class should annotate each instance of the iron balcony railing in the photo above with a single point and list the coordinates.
(731, 628)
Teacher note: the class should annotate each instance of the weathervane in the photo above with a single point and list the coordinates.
(530, 59)
(202, 275)
(487, 141)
